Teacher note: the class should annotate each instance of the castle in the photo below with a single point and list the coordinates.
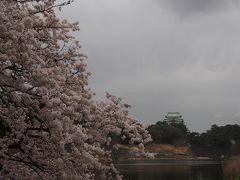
(173, 117)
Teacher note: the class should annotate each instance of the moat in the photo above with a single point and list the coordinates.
(171, 170)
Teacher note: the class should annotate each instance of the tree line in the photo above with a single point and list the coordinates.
(217, 137)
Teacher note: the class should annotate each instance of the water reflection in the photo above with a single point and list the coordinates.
(171, 170)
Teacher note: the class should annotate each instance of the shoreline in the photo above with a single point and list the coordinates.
(164, 159)
(168, 158)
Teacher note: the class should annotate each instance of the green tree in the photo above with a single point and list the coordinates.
(162, 132)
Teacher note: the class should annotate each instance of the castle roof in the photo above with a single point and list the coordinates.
(173, 114)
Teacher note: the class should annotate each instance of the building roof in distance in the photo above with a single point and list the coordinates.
(173, 114)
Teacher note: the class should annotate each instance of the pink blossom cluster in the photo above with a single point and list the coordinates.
(51, 127)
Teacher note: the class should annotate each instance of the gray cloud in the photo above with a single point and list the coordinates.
(186, 8)
(159, 63)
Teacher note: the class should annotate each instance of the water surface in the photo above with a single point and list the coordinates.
(171, 170)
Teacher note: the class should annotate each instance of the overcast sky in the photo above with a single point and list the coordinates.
(164, 55)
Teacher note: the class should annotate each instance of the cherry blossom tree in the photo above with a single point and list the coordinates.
(51, 127)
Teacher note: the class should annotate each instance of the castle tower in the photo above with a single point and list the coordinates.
(173, 117)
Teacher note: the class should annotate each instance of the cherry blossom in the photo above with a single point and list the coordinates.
(51, 127)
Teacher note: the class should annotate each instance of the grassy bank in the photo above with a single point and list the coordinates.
(232, 168)
(161, 151)
(168, 149)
